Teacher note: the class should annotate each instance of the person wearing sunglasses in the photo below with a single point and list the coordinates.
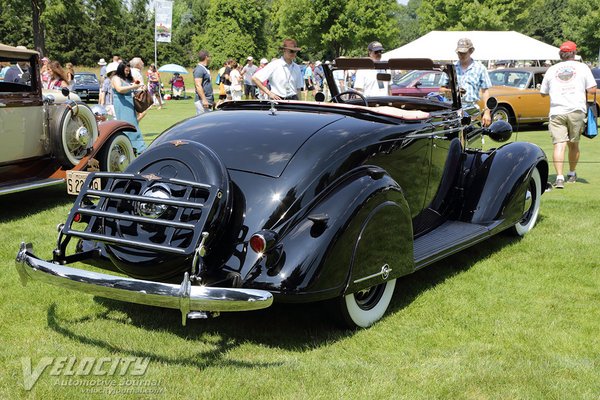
(283, 74)
(366, 79)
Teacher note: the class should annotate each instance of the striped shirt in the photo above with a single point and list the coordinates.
(474, 78)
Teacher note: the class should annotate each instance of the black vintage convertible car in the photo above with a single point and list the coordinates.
(298, 202)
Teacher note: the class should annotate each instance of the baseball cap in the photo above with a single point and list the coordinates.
(318, 63)
(464, 45)
(264, 61)
(375, 46)
(111, 67)
(249, 58)
(102, 61)
(568, 46)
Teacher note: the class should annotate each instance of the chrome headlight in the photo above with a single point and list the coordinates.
(152, 209)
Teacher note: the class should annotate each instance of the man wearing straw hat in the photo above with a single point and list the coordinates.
(284, 74)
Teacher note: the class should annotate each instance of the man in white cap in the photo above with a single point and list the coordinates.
(366, 80)
(247, 72)
(102, 64)
(472, 78)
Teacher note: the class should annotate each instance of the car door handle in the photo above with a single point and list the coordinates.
(440, 137)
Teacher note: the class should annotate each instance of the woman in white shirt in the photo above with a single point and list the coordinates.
(236, 82)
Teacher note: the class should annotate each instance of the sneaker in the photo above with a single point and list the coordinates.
(559, 184)
(572, 178)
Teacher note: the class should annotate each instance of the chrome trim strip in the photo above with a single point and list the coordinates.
(384, 273)
(102, 193)
(135, 218)
(30, 186)
(123, 175)
(111, 239)
(184, 297)
(196, 184)
(113, 175)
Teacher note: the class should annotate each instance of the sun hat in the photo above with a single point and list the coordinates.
(111, 67)
(264, 61)
(102, 62)
(290, 44)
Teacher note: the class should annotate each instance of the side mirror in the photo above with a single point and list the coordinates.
(418, 83)
(491, 103)
(65, 92)
(499, 131)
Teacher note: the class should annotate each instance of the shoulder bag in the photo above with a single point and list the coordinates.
(591, 129)
(142, 100)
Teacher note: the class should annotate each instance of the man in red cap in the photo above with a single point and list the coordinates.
(567, 83)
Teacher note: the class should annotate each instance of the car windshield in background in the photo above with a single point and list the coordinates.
(85, 79)
(518, 79)
(419, 83)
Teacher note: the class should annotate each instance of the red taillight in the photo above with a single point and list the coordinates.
(77, 217)
(258, 243)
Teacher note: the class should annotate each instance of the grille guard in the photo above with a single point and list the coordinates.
(108, 198)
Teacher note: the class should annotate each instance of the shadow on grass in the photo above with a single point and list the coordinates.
(22, 204)
(293, 327)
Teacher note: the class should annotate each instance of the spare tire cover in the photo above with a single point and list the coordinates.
(162, 165)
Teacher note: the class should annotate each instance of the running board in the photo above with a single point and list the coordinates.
(30, 185)
(448, 238)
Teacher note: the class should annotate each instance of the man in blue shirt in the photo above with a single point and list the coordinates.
(204, 91)
(472, 78)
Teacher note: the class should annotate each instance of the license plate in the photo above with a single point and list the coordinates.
(76, 179)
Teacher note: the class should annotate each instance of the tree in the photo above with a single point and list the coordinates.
(581, 26)
(459, 15)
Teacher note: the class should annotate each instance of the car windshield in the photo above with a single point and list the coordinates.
(518, 79)
(86, 79)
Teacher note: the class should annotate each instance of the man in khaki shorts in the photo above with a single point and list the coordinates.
(567, 83)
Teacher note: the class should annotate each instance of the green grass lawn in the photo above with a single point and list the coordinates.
(509, 319)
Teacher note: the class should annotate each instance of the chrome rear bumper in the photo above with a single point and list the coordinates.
(185, 297)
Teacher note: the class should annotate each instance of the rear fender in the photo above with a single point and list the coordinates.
(316, 255)
(497, 182)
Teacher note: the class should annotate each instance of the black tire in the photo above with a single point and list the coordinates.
(72, 134)
(117, 154)
(503, 113)
(532, 205)
(365, 307)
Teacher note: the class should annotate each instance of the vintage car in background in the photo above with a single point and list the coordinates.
(417, 83)
(86, 86)
(518, 93)
(49, 136)
(297, 202)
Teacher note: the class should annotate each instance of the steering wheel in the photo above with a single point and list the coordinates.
(338, 97)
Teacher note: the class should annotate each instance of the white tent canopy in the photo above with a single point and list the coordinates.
(489, 45)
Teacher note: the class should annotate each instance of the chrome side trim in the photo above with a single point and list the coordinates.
(384, 273)
(184, 297)
(33, 185)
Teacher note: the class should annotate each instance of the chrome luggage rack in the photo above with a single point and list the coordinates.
(116, 208)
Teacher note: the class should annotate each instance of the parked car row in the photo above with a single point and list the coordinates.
(516, 89)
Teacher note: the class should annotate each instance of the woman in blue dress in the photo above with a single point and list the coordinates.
(123, 89)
